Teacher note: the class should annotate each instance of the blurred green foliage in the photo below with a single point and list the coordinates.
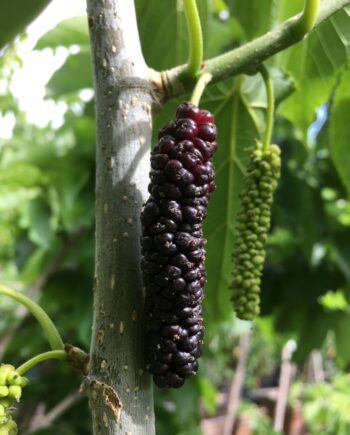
(325, 406)
(47, 205)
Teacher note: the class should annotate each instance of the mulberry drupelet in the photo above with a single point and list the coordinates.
(182, 179)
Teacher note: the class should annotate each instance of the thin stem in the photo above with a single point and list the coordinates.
(52, 354)
(202, 82)
(307, 18)
(247, 57)
(44, 320)
(195, 38)
(270, 105)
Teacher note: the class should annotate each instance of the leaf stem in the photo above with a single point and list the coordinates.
(202, 82)
(270, 105)
(307, 19)
(195, 38)
(247, 57)
(44, 320)
(52, 354)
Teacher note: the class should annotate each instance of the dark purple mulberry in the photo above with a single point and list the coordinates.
(172, 244)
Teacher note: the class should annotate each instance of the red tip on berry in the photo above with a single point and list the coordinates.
(188, 110)
(205, 117)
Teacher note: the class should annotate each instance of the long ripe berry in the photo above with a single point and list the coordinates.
(182, 179)
(252, 226)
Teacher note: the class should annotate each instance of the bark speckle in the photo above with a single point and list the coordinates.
(122, 95)
(112, 282)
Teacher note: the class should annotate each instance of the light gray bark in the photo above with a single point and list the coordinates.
(119, 388)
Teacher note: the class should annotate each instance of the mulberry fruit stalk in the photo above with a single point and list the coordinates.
(182, 179)
(252, 226)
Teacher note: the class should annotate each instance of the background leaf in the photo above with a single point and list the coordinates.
(67, 33)
(339, 128)
(263, 11)
(320, 58)
(237, 133)
(169, 32)
(75, 74)
(15, 15)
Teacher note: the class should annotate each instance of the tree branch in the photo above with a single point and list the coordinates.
(246, 58)
(41, 420)
(119, 388)
(236, 385)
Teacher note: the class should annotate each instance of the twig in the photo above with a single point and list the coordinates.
(286, 374)
(314, 368)
(41, 421)
(247, 57)
(236, 385)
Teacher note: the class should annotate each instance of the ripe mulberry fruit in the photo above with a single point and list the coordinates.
(252, 226)
(182, 179)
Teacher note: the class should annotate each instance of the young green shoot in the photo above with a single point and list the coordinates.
(307, 19)
(53, 354)
(53, 336)
(270, 108)
(202, 82)
(195, 37)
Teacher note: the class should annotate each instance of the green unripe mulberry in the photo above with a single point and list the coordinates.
(11, 384)
(6, 402)
(9, 428)
(15, 392)
(5, 370)
(4, 391)
(3, 416)
(252, 226)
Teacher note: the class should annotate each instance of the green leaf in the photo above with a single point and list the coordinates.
(339, 128)
(208, 394)
(66, 33)
(237, 133)
(166, 45)
(254, 92)
(341, 252)
(18, 198)
(15, 15)
(287, 9)
(319, 58)
(186, 402)
(68, 182)
(34, 265)
(75, 74)
(254, 88)
(222, 34)
(38, 223)
(342, 333)
(261, 11)
(20, 174)
(334, 301)
(314, 326)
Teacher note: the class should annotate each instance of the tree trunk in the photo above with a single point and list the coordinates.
(118, 386)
